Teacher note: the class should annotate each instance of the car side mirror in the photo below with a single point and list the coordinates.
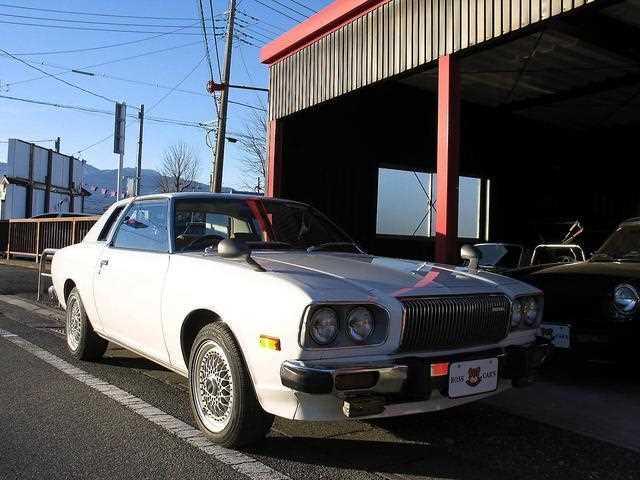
(229, 248)
(469, 253)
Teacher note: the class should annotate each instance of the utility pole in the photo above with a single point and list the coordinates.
(218, 159)
(57, 145)
(139, 166)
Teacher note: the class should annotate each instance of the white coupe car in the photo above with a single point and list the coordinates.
(270, 309)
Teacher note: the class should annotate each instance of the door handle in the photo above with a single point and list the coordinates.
(103, 263)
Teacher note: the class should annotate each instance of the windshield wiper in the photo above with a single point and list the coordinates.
(332, 246)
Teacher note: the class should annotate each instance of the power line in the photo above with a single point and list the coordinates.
(303, 6)
(206, 40)
(279, 29)
(177, 84)
(108, 62)
(62, 80)
(291, 9)
(277, 11)
(93, 29)
(93, 14)
(102, 47)
(93, 22)
(215, 41)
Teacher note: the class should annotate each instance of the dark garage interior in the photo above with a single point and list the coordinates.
(548, 117)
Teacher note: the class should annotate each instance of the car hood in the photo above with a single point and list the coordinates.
(379, 275)
(622, 270)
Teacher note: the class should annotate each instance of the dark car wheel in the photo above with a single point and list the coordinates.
(223, 400)
(82, 342)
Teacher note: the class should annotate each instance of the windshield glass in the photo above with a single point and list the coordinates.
(624, 244)
(260, 223)
(499, 256)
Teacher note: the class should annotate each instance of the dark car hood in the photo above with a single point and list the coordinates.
(581, 291)
(620, 270)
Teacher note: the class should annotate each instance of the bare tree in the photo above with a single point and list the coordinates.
(180, 166)
(254, 148)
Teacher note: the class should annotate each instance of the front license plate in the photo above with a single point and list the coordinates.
(560, 335)
(473, 377)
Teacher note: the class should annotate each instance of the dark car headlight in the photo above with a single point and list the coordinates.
(323, 326)
(526, 312)
(360, 324)
(625, 299)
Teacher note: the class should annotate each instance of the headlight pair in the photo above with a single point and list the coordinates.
(345, 325)
(526, 312)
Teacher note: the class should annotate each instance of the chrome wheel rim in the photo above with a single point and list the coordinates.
(212, 386)
(74, 324)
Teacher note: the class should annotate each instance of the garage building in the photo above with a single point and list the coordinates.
(421, 124)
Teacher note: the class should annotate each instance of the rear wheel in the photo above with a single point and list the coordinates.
(82, 342)
(223, 399)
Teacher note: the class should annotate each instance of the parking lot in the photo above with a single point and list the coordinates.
(581, 420)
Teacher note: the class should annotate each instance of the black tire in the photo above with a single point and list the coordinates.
(247, 422)
(82, 342)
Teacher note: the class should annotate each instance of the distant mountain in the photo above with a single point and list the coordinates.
(93, 177)
(98, 202)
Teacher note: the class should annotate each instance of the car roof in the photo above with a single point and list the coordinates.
(203, 195)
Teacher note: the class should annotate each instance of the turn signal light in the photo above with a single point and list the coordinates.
(270, 343)
(439, 369)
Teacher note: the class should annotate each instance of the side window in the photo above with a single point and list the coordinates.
(144, 227)
(104, 233)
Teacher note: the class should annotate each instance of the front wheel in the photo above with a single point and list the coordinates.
(82, 342)
(223, 399)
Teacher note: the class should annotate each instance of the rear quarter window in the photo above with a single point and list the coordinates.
(108, 226)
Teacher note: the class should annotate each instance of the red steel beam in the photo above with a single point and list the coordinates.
(333, 16)
(274, 160)
(448, 152)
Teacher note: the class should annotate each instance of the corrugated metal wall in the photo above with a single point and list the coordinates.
(393, 38)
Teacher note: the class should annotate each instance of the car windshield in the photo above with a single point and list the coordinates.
(623, 244)
(499, 255)
(260, 223)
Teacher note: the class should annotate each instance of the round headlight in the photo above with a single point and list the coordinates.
(625, 299)
(360, 324)
(323, 326)
(516, 313)
(530, 311)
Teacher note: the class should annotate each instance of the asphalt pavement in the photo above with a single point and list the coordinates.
(124, 417)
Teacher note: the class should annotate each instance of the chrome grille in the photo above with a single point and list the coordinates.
(454, 322)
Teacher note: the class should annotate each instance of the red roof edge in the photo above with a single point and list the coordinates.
(326, 20)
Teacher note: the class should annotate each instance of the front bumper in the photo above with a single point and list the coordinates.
(367, 388)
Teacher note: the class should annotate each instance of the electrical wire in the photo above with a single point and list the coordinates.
(284, 5)
(62, 80)
(297, 20)
(93, 22)
(93, 14)
(101, 47)
(215, 41)
(101, 64)
(93, 29)
(278, 30)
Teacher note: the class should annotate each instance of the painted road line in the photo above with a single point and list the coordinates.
(240, 462)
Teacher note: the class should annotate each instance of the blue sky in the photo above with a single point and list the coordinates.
(79, 129)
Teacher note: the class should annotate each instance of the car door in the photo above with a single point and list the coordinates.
(130, 277)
